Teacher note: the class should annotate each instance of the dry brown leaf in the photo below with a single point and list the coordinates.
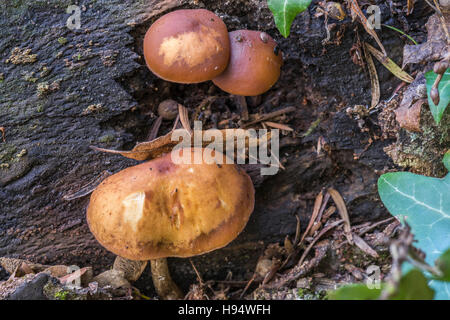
(164, 144)
(390, 65)
(77, 274)
(278, 126)
(410, 7)
(375, 83)
(409, 117)
(184, 118)
(360, 243)
(342, 208)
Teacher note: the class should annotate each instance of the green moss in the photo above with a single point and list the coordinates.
(106, 138)
(62, 40)
(307, 294)
(7, 152)
(61, 295)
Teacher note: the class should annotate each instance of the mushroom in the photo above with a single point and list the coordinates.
(168, 109)
(187, 46)
(161, 209)
(254, 66)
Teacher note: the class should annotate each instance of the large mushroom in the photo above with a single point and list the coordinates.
(187, 46)
(162, 209)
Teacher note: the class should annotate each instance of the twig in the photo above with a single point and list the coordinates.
(322, 232)
(270, 115)
(317, 205)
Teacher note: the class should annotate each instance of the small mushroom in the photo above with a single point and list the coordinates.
(255, 64)
(187, 46)
(168, 109)
(162, 209)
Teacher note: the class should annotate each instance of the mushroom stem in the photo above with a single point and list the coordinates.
(242, 103)
(164, 285)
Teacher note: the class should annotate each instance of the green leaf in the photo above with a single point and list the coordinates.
(444, 93)
(354, 292)
(443, 264)
(413, 286)
(425, 204)
(285, 11)
(447, 160)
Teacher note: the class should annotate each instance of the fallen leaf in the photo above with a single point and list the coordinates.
(360, 243)
(375, 83)
(409, 117)
(342, 208)
(165, 144)
(390, 65)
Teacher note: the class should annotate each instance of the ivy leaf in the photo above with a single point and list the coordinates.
(425, 204)
(354, 292)
(447, 160)
(413, 286)
(443, 264)
(444, 94)
(285, 11)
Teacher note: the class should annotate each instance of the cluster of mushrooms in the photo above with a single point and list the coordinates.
(161, 209)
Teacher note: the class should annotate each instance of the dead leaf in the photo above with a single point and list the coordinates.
(375, 83)
(184, 118)
(390, 65)
(165, 144)
(342, 208)
(278, 126)
(360, 243)
(409, 117)
(84, 275)
(410, 7)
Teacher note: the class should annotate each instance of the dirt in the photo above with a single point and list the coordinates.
(102, 65)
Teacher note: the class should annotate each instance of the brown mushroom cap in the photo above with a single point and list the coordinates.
(187, 46)
(161, 209)
(254, 66)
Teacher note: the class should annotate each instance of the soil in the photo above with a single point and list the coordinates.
(99, 92)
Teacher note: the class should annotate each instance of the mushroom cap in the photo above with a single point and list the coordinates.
(161, 209)
(254, 66)
(187, 46)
